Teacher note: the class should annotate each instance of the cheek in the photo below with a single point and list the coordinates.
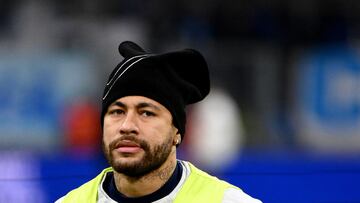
(105, 141)
(155, 130)
(160, 134)
(108, 134)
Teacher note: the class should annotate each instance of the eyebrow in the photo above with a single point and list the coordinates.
(147, 104)
(139, 105)
(119, 104)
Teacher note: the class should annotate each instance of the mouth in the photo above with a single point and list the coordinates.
(127, 146)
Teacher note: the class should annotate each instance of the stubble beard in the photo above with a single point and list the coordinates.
(150, 161)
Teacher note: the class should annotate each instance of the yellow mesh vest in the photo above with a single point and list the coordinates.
(199, 187)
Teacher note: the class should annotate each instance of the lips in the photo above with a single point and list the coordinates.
(126, 146)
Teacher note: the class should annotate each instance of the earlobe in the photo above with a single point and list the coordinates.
(177, 139)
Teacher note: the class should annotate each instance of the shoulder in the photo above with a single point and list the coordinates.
(198, 174)
(231, 193)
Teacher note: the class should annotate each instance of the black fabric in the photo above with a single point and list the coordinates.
(174, 79)
(110, 188)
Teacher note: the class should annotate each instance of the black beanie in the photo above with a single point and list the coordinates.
(173, 79)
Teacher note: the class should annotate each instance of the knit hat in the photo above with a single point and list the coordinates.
(173, 79)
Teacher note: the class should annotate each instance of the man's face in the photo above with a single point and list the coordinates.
(138, 135)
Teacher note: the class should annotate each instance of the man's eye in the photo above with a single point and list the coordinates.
(116, 112)
(147, 113)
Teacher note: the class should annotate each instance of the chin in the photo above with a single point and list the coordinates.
(130, 168)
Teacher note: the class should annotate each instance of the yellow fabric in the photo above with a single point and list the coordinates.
(198, 187)
(201, 187)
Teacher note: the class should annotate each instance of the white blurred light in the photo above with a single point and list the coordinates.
(217, 132)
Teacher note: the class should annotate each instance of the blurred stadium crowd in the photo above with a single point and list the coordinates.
(285, 77)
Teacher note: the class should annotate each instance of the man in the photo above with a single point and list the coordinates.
(143, 119)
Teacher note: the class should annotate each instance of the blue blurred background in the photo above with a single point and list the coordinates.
(282, 121)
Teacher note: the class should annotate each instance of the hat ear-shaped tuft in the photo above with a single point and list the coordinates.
(192, 68)
(129, 49)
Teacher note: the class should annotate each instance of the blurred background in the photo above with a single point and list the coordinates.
(282, 120)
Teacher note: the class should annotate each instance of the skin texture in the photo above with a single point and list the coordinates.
(139, 142)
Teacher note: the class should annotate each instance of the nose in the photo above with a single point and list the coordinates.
(129, 125)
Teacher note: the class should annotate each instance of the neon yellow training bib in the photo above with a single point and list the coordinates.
(198, 187)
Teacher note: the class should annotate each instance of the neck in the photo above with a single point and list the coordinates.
(147, 184)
